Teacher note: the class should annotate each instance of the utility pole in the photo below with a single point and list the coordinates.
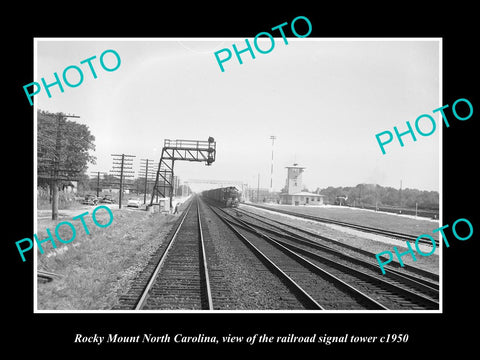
(98, 180)
(120, 192)
(360, 203)
(147, 167)
(271, 168)
(123, 167)
(258, 187)
(98, 183)
(56, 164)
(400, 194)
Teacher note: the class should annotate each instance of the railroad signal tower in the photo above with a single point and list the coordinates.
(184, 150)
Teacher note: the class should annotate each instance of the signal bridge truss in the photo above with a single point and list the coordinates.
(180, 150)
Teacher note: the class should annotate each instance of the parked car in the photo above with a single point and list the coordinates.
(134, 202)
(90, 200)
(108, 199)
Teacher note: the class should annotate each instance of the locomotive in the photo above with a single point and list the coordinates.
(227, 196)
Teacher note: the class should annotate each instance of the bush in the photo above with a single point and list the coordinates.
(65, 200)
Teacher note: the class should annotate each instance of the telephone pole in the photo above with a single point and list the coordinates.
(147, 167)
(258, 187)
(400, 194)
(123, 167)
(56, 163)
(271, 168)
(98, 180)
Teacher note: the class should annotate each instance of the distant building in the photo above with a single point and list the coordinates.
(260, 195)
(294, 194)
(301, 198)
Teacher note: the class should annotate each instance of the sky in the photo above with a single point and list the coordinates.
(323, 99)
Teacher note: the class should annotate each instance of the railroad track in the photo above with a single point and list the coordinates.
(311, 276)
(180, 279)
(173, 278)
(368, 229)
(305, 235)
(399, 292)
(315, 288)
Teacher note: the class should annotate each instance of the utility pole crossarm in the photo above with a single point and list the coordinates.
(125, 162)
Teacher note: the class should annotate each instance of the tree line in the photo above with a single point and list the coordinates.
(63, 149)
(377, 195)
(63, 154)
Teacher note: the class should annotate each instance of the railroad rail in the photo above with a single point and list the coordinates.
(185, 273)
(302, 276)
(426, 277)
(180, 279)
(369, 229)
(399, 292)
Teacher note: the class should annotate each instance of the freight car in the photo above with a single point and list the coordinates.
(227, 196)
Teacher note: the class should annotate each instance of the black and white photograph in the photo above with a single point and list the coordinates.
(258, 188)
(241, 182)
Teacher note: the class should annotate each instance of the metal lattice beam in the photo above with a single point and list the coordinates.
(180, 150)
